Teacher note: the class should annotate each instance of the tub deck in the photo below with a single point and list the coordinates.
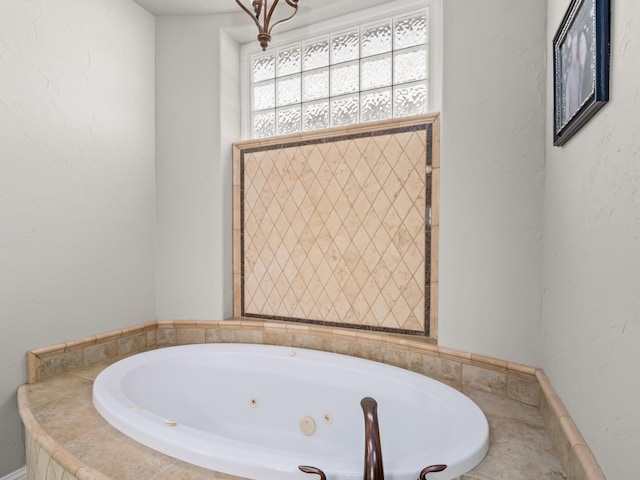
(62, 408)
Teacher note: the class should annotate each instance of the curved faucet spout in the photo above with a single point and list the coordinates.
(373, 469)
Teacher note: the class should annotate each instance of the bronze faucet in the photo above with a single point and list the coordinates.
(373, 469)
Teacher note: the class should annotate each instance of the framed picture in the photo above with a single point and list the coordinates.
(580, 66)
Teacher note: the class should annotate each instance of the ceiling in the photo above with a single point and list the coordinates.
(207, 7)
(242, 29)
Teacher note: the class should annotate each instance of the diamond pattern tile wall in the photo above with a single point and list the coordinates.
(334, 230)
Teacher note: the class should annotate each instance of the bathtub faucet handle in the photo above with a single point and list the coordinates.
(432, 468)
(317, 471)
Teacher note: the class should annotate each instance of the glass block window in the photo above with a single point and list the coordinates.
(371, 72)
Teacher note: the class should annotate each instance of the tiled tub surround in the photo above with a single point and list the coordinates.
(532, 434)
(340, 227)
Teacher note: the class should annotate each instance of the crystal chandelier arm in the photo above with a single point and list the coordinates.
(291, 3)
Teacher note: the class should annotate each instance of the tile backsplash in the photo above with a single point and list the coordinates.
(337, 229)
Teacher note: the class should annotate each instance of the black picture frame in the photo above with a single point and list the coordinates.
(580, 66)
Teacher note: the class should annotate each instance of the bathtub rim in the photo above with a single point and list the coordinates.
(569, 444)
(152, 433)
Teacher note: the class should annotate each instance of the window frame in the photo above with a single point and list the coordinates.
(344, 22)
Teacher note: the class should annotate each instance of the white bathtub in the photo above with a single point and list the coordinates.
(248, 410)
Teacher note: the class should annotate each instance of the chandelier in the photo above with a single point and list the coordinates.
(262, 14)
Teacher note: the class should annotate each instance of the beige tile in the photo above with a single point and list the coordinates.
(61, 363)
(435, 197)
(501, 407)
(50, 350)
(42, 463)
(166, 336)
(33, 367)
(237, 151)
(237, 307)
(70, 416)
(24, 408)
(556, 434)
(428, 365)
(366, 350)
(522, 390)
(152, 337)
(29, 446)
(306, 341)
(97, 353)
(100, 447)
(433, 310)
(67, 460)
(184, 471)
(518, 451)
(186, 336)
(483, 379)
(277, 338)
(269, 290)
(91, 372)
(545, 411)
(248, 336)
(79, 343)
(450, 370)
(237, 220)
(68, 476)
(133, 330)
(220, 335)
(54, 471)
(435, 248)
(343, 346)
(571, 432)
(55, 388)
(415, 149)
(411, 360)
(48, 444)
(584, 465)
(88, 473)
(556, 406)
(108, 336)
(132, 343)
(436, 142)
(491, 363)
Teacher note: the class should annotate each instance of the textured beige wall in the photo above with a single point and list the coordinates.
(492, 177)
(591, 304)
(197, 71)
(76, 181)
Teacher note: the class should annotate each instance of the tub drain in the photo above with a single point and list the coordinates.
(327, 418)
